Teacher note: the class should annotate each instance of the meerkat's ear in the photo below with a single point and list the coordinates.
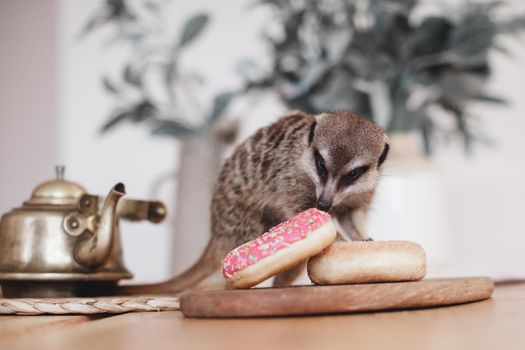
(312, 132)
(294, 112)
(317, 119)
(383, 155)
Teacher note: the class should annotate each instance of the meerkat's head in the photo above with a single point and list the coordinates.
(344, 156)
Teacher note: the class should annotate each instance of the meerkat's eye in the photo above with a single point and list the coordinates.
(354, 175)
(320, 165)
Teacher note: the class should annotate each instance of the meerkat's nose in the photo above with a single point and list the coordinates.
(324, 205)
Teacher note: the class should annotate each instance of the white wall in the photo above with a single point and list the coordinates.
(28, 95)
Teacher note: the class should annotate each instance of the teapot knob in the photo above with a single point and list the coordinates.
(60, 170)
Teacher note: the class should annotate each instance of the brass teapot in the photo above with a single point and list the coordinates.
(65, 242)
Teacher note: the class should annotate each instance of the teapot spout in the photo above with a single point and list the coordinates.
(93, 249)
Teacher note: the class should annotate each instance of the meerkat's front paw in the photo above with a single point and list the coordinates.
(360, 237)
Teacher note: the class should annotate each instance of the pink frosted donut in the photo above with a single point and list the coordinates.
(282, 247)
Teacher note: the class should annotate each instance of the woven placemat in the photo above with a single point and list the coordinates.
(88, 306)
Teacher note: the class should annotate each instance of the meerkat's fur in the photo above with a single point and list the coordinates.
(331, 161)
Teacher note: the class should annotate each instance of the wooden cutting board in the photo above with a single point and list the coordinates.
(316, 300)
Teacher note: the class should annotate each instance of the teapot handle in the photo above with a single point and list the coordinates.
(137, 210)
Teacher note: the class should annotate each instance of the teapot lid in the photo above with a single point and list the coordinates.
(56, 192)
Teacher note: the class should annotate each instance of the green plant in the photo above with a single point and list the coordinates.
(377, 58)
(152, 88)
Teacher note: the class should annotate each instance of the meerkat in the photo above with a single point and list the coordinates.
(331, 161)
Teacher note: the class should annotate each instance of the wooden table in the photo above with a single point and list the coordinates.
(497, 323)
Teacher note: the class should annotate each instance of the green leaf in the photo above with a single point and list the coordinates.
(315, 74)
(468, 62)
(144, 110)
(472, 38)
(220, 103)
(491, 99)
(173, 128)
(110, 11)
(427, 129)
(132, 76)
(462, 127)
(512, 26)
(193, 28)
(140, 112)
(119, 9)
(94, 22)
(502, 49)
(109, 86)
(117, 118)
(431, 35)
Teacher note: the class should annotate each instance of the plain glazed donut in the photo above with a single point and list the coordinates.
(368, 261)
(282, 247)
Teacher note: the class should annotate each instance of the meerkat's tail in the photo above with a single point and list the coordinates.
(207, 264)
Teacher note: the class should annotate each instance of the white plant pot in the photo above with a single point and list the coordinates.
(199, 163)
